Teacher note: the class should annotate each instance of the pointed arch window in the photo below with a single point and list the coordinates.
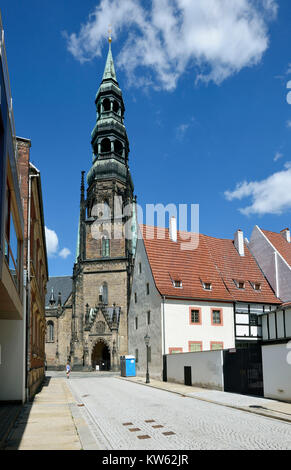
(50, 332)
(105, 247)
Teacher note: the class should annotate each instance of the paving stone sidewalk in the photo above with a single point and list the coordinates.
(263, 406)
(47, 422)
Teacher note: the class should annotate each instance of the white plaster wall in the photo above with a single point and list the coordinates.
(144, 303)
(288, 323)
(280, 324)
(265, 327)
(179, 331)
(263, 251)
(206, 368)
(284, 280)
(264, 254)
(12, 366)
(272, 326)
(277, 371)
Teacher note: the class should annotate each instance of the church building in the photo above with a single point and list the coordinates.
(97, 306)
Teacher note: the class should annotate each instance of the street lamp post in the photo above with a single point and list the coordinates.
(147, 342)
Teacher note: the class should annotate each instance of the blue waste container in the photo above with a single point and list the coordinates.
(127, 366)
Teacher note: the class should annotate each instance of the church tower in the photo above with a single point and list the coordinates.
(106, 238)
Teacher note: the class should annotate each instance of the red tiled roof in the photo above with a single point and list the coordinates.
(214, 260)
(240, 268)
(280, 243)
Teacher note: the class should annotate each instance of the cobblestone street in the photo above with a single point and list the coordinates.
(124, 415)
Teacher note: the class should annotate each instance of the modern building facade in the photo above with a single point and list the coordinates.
(12, 293)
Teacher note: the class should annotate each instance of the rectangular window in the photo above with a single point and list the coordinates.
(175, 350)
(195, 346)
(139, 268)
(136, 355)
(136, 323)
(148, 289)
(216, 345)
(195, 316)
(216, 316)
(135, 297)
(12, 247)
(149, 317)
(105, 247)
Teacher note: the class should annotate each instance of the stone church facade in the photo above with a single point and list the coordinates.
(89, 327)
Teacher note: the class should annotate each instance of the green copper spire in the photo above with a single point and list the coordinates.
(109, 72)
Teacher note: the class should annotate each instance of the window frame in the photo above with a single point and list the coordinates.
(195, 342)
(216, 342)
(175, 350)
(221, 316)
(200, 316)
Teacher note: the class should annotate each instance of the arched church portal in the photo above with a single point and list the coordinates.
(101, 356)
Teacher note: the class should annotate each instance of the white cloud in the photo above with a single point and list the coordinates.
(52, 242)
(52, 245)
(278, 156)
(269, 196)
(64, 253)
(218, 37)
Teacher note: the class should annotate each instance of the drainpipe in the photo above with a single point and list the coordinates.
(28, 331)
(164, 342)
(276, 274)
(164, 339)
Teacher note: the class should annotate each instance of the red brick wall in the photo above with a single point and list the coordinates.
(23, 151)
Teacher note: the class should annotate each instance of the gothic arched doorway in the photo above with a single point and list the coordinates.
(101, 356)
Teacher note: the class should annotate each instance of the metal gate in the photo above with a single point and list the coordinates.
(243, 371)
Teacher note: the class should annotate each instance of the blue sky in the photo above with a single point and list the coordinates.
(204, 86)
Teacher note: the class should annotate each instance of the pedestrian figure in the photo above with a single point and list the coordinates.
(68, 370)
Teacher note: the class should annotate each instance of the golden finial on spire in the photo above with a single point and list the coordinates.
(110, 31)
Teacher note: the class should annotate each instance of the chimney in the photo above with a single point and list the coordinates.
(173, 229)
(286, 234)
(239, 242)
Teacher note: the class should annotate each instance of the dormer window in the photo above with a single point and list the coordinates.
(207, 285)
(177, 283)
(256, 286)
(239, 284)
